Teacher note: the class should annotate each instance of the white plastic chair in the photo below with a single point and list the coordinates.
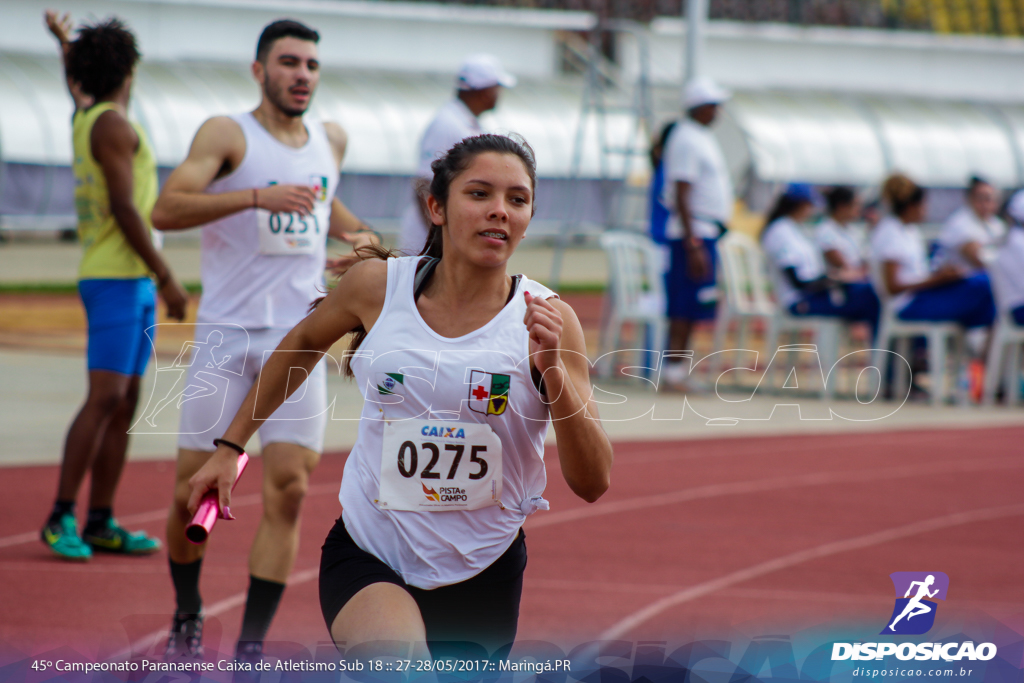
(636, 293)
(742, 275)
(1004, 354)
(892, 330)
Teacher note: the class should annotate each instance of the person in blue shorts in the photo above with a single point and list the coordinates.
(903, 274)
(115, 189)
(699, 194)
(798, 267)
(1010, 258)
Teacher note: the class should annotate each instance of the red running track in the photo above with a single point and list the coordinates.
(693, 536)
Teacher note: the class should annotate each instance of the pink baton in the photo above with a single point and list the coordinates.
(199, 528)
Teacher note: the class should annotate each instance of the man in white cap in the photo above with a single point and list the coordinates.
(699, 194)
(478, 85)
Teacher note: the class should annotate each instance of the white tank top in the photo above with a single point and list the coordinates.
(262, 270)
(434, 377)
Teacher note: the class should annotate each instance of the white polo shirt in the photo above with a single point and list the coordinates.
(454, 122)
(830, 235)
(692, 155)
(892, 240)
(1010, 261)
(963, 227)
(787, 247)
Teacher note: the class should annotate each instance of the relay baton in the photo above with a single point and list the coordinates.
(199, 528)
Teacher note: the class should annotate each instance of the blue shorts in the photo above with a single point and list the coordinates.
(1018, 315)
(858, 303)
(968, 302)
(119, 312)
(685, 300)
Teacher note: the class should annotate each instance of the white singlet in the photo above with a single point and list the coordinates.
(420, 381)
(262, 270)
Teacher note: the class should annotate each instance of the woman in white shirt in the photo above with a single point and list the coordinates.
(1010, 258)
(970, 234)
(835, 237)
(798, 270)
(456, 362)
(901, 266)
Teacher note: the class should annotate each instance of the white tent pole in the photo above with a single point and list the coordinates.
(696, 20)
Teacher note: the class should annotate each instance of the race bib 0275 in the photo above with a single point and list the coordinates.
(434, 466)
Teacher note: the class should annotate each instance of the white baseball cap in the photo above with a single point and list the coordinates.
(701, 91)
(483, 71)
(1015, 207)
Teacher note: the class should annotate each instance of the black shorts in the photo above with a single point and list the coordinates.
(483, 609)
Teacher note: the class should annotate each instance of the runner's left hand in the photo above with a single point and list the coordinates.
(544, 323)
(338, 265)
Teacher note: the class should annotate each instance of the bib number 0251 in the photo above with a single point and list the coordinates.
(431, 466)
(293, 223)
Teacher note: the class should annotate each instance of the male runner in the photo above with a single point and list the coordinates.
(115, 187)
(262, 185)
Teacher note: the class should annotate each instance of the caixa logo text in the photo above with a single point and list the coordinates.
(950, 652)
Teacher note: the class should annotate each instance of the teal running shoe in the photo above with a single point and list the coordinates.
(63, 539)
(113, 538)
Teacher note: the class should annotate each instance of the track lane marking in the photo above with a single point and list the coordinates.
(630, 622)
(766, 485)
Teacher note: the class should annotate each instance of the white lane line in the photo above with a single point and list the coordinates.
(624, 626)
(764, 485)
(742, 593)
(143, 646)
(159, 515)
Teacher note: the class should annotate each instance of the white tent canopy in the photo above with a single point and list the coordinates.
(829, 139)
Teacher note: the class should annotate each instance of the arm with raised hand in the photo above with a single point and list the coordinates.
(558, 352)
(60, 27)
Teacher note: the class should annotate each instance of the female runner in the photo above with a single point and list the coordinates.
(461, 367)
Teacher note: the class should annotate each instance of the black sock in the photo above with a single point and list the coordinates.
(260, 606)
(97, 519)
(186, 586)
(60, 508)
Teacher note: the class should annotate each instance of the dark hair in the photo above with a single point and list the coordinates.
(445, 170)
(458, 159)
(282, 28)
(975, 182)
(658, 148)
(102, 57)
(785, 205)
(839, 197)
(902, 193)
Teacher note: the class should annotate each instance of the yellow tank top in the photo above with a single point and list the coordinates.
(107, 253)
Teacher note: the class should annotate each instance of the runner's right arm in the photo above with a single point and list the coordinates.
(216, 151)
(356, 301)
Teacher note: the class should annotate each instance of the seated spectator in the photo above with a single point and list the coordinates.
(1010, 257)
(900, 266)
(969, 236)
(798, 269)
(835, 237)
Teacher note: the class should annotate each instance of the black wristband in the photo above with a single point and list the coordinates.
(233, 446)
